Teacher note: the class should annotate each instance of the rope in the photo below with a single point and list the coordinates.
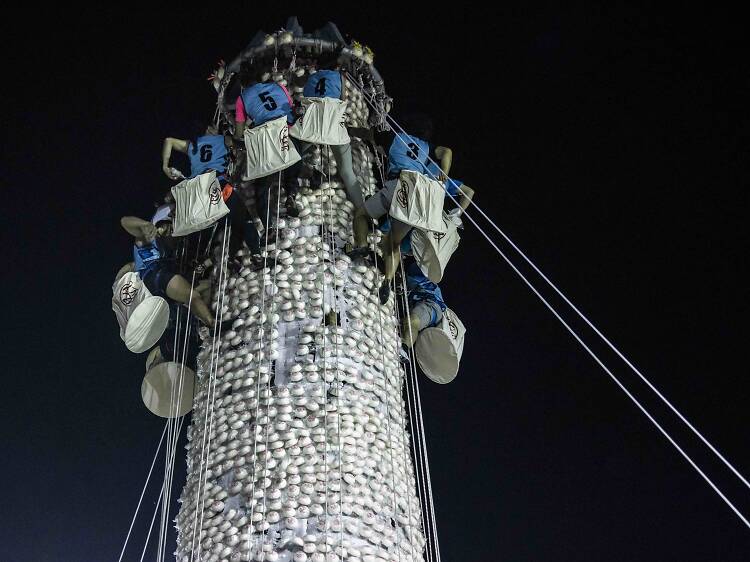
(269, 318)
(580, 341)
(140, 500)
(156, 510)
(325, 360)
(173, 409)
(208, 420)
(339, 386)
(419, 443)
(261, 330)
(401, 402)
(415, 385)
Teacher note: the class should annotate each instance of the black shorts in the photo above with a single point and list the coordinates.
(157, 278)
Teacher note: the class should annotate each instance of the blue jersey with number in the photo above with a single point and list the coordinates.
(420, 288)
(451, 185)
(407, 153)
(146, 256)
(266, 101)
(323, 84)
(207, 153)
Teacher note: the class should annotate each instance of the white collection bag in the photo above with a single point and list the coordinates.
(323, 122)
(165, 383)
(433, 250)
(439, 349)
(269, 149)
(198, 204)
(418, 201)
(142, 317)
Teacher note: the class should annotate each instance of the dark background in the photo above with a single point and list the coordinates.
(608, 144)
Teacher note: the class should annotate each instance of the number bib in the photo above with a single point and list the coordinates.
(142, 317)
(269, 149)
(324, 122)
(439, 349)
(198, 204)
(418, 201)
(433, 250)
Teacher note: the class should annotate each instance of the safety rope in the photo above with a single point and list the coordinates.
(401, 400)
(339, 387)
(261, 330)
(594, 356)
(430, 504)
(174, 405)
(140, 499)
(160, 498)
(211, 394)
(325, 359)
(419, 447)
(269, 319)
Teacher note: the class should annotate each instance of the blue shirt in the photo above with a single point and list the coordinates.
(407, 153)
(207, 153)
(451, 185)
(420, 288)
(146, 256)
(323, 84)
(265, 102)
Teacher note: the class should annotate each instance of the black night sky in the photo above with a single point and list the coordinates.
(610, 145)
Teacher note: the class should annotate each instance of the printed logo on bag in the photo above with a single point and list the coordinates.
(128, 293)
(453, 328)
(403, 195)
(284, 138)
(438, 235)
(214, 193)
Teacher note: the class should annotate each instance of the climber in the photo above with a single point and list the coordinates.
(453, 187)
(426, 303)
(152, 264)
(328, 83)
(406, 152)
(210, 152)
(263, 100)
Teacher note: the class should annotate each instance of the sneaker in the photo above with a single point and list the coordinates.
(403, 356)
(356, 253)
(384, 292)
(292, 207)
(269, 237)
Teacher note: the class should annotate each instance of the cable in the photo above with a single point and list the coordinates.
(713, 486)
(591, 325)
(138, 507)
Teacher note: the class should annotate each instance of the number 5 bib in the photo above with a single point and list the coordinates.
(269, 149)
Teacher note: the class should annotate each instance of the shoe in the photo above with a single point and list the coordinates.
(269, 237)
(384, 292)
(356, 253)
(403, 356)
(332, 319)
(292, 207)
(234, 265)
(380, 264)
